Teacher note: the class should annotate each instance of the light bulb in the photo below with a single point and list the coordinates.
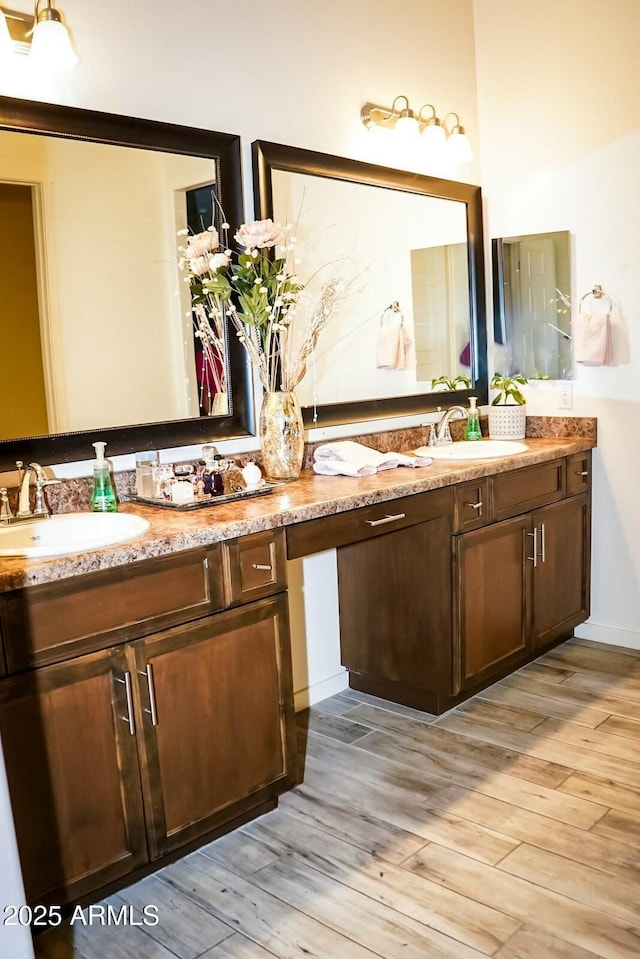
(458, 146)
(51, 48)
(407, 130)
(434, 138)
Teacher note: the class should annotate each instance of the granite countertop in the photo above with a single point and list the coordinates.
(309, 497)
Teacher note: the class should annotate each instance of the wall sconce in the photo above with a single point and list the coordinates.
(437, 137)
(43, 37)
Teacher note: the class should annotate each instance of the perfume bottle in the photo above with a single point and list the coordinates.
(473, 431)
(217, 480)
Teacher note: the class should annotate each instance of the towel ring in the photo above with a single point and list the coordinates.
(597, 293)
(392, 308)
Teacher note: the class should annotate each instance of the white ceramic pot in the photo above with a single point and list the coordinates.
(507, 422)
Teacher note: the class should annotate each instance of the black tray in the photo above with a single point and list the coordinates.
(261, 490)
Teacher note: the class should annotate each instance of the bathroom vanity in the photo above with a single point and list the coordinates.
(146, 704)
(446, 591)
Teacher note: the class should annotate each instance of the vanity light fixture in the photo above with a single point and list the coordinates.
(43, 37)
(436, 135)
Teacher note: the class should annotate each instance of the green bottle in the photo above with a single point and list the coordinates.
(473, 431)
(103, 498)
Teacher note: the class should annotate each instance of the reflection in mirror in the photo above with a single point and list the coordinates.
(532, 305)
(104, 240)
(97, 326)
(411, 248)
(406, 318)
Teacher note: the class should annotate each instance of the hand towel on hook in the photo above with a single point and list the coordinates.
(592, 336)
(393, 340)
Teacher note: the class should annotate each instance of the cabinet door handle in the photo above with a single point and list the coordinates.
(261, 566)
(477, 506)
(152, 710)
(534, 559)
(129, 718)
(582, 472)
(386, 519)
(542, 543)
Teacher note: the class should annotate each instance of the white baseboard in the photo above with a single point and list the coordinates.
(315, 694)
(611, 635)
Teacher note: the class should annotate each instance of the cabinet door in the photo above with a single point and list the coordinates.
(561, 576)
(215, 705)
(395, 606)
(493, 586)
(72, 768)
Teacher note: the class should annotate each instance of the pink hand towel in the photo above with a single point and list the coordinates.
(592, 338)
(394, 340)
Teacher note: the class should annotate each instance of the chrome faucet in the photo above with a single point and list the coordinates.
(440, 432)
(40, 506)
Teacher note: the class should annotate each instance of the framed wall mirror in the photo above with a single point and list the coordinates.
(96, 322)
(532, 305)
(410, 248)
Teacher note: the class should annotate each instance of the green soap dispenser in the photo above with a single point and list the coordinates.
(103, 498)
(473, 431)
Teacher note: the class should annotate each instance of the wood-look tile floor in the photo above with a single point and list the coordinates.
(509, 827)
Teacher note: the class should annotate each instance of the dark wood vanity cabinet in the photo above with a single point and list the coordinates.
(492, 601)
(522, 583)
(561, 575)
(446, 591)
(72, 768)
(119, 757)
(214, 717)
(395, 611)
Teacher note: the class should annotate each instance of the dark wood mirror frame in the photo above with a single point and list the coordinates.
(273, 156)
(24, 116)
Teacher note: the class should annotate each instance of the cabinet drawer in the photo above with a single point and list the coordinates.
(527, 489)
(471, 507)
(359, 524)
(48, 623)
(254, 566)
(579, 473)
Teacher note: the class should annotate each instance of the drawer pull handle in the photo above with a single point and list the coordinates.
(152, 710)
(264, 566)
(129, 717)
(477, 505)
(386, 519)
(534, 559)
(582, 472)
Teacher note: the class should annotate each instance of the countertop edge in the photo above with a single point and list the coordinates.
(310, 497)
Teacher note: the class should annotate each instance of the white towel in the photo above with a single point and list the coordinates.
(592, 339)
(347, 458)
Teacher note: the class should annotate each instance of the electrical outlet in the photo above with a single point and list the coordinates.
(565, 396)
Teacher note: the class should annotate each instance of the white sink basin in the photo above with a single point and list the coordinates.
(69, 533)
(473, 450)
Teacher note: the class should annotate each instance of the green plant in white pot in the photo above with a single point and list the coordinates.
(508, 411)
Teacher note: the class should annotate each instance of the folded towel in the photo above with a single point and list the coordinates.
(347, 458)
(592, 339)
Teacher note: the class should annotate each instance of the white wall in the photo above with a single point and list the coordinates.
(560, 141)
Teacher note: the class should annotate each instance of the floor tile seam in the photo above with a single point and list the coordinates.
(482, 767)
(616, 919)
(301, 861)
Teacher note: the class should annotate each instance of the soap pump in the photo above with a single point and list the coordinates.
(473, 431)
(103, 498)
